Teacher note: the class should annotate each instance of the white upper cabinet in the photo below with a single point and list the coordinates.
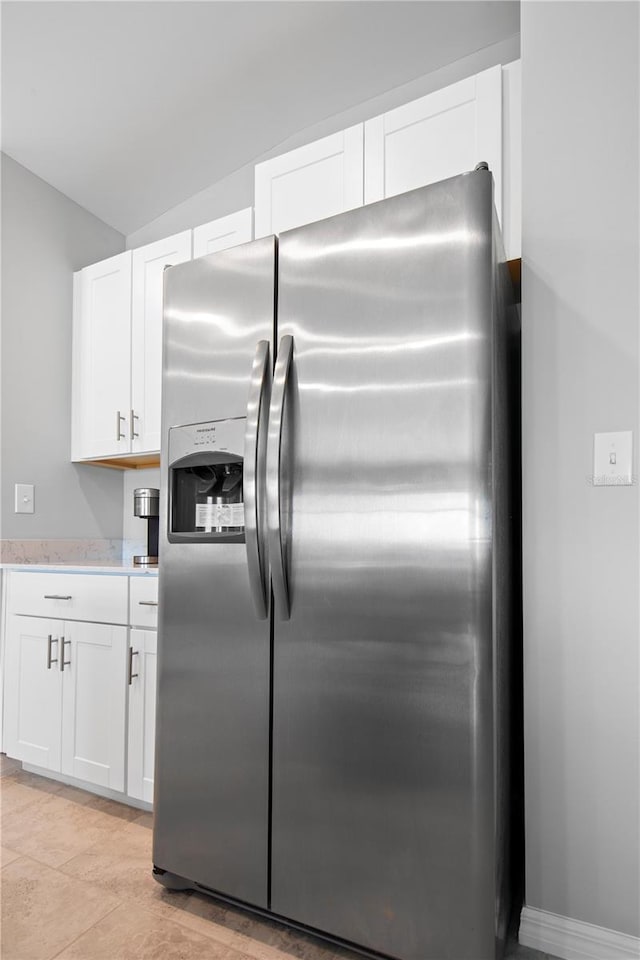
(102, 358)
(149, 263)
(438, 136)
(441, 135)
(117, 350)
(311, 183)
(223, 233)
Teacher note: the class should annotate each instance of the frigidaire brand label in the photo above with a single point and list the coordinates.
(204, 436)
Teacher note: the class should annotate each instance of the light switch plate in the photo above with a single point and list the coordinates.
(612, 459)
(24, 498)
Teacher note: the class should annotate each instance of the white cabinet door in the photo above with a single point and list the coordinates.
(223, 233)
(94, 703)
(143, 601)
(102, 358)
(142, 714)
(313, 182)
(438, 136)
(146, 336)
(33, 691)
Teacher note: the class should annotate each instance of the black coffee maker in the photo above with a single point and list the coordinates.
(146, 504)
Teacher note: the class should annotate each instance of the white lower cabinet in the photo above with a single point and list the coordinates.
(94, 703)
(80, 695)
(33, 691)
(65, 703)
(143, 646)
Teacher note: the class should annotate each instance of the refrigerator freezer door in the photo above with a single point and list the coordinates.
(383, 792)
(212, 769)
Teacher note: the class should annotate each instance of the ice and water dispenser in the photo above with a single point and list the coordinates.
(205, 482)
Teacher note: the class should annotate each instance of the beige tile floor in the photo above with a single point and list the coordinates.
(76, 883)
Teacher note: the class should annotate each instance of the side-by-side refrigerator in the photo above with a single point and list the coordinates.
(336, 576)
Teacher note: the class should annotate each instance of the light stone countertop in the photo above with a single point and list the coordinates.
(108, 569)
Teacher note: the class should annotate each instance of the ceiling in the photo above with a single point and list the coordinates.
(130, 108)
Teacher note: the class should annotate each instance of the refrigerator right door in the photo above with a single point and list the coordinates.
(383, 796)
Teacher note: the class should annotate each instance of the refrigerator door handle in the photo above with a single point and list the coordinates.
(274, 445)
(254, 455)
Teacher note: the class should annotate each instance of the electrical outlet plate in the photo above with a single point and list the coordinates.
(24, 494)
(612, 459)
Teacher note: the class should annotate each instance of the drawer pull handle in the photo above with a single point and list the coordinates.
(56, 596)
(148, 603)
(64, 663)
(132, 653)
(50, 641)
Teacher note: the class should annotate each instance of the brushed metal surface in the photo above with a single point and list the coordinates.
(212, 740)
(383, 741)
(253, 478)
(274, 466)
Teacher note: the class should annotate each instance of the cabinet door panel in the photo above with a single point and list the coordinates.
(316, 181)
(143, 602)
(223, 233)
(94, 703)
(142, 715)
(69, 596)
(102, 358)
(436, 137)
(33, 692)
(146, 336)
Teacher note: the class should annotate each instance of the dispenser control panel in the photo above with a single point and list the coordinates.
(205, 482)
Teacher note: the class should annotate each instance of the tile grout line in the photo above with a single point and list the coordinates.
(145, 909)
(116, 829)
(21, 856)
(84, 932)
(97, 843)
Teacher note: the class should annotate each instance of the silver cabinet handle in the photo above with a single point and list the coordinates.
(64, 663)
(50, 641)
(254, 456)
(132, 430)
(148, 603)
(119, 418)
(274, 449)
(132, 653)
(57, 596)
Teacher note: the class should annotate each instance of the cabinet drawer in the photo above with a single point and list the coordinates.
(143, 603)
(68, 596)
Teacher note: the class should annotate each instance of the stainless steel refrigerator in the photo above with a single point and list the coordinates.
(336, 576)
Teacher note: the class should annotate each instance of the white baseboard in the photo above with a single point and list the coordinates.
(573, 939)
(105, 792)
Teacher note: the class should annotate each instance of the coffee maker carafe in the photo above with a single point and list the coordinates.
(146, 505)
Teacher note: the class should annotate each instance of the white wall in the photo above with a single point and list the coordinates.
(580, 319)
(235, 192)
(45, 237)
